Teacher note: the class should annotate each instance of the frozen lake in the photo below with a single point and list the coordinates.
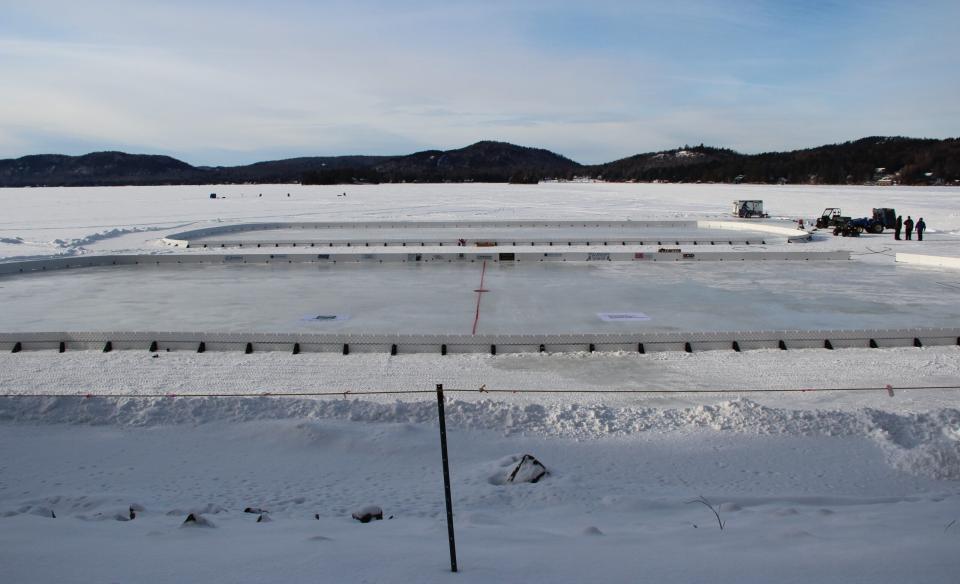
(441, 298)
(797, 475)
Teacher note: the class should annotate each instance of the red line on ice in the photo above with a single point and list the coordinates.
(479, 291)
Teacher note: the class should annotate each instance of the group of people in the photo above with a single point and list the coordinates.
(909, 226)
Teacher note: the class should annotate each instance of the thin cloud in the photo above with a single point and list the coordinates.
(223, 82)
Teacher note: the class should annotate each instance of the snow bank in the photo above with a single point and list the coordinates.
(936, 261)
(926, 444)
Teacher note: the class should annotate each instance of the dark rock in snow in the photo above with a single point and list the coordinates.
(264, 518)
(197, 520)
(255, 510)
(368, 514)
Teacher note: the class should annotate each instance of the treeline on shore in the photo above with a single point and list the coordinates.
(877, 160)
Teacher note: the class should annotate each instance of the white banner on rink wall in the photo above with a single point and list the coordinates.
(325, 317)
(622, 316)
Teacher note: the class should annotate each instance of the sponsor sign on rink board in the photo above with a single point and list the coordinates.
(622, 316)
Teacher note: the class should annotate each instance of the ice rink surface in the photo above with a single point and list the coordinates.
(531, 298)
(473, 234)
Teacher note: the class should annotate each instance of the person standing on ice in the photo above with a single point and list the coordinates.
(921, 227)
(898, 227)
(908, 225)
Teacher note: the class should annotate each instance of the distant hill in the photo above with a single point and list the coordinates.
(98, 168)
(482, 162)
(118, 168)
(670, 165)
(885, 159)
(291, 170)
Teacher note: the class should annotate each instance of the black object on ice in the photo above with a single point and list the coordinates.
(528, 470)
(368, 514)
(255, 510)
(264, 518)
(133, 514)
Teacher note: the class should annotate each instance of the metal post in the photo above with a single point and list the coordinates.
(446, 478)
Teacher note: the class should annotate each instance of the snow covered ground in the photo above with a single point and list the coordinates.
(815, 486)
(799, 507)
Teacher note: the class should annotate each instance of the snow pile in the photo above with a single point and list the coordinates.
(79, 242)
(926, 444)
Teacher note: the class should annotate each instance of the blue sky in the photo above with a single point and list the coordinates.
(220, 82)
